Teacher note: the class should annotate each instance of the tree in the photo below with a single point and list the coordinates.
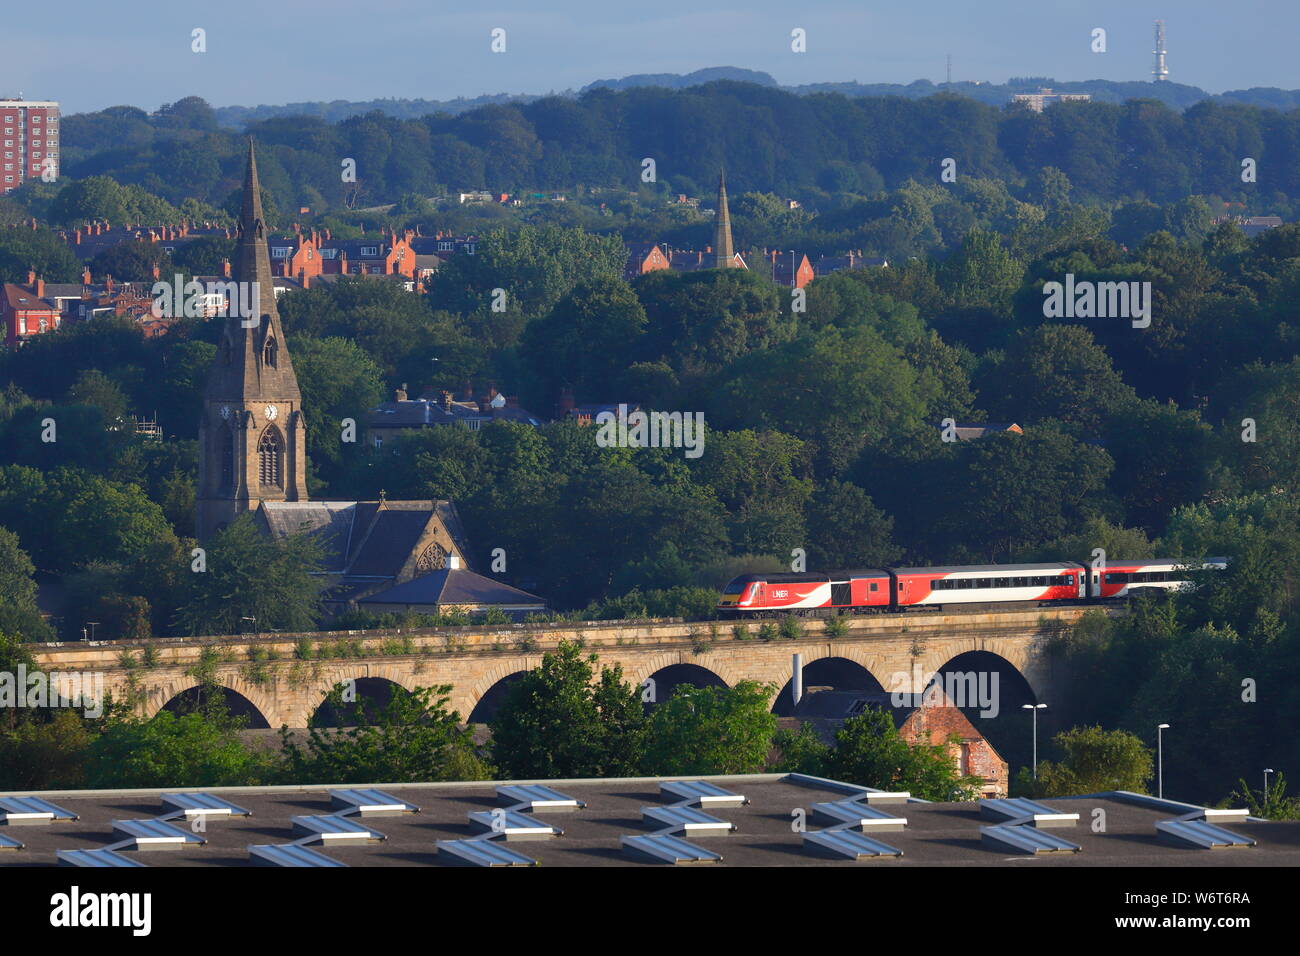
(1095, 760)
(536, 266)
(95, 388)
(45, 754)
(869, 751)
(586, 342)
(204, 256)
(193, 750)
(1015, 491)
(846, 529)
(554, 723)
(37, 250)
(250, 574)
(1058, 371)
(338, 381)
(14, 654)
(19, 614)
(762, 479)
(413, 737)
(711, 730)
(133, 261)
(88, 200)
(841, 389)
(981, 274)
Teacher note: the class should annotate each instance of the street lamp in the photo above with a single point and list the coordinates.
(1160, 760)
(254, 620)
(92, 628)
(1264, 801)
(1034, 709)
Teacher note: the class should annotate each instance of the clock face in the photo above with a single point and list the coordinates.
(271, 412)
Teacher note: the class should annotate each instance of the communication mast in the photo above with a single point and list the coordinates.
(1161, 72)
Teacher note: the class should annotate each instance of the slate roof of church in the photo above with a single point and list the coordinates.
(362, 539)
(452, 586)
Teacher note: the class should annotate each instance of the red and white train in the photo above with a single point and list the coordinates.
(900, 589)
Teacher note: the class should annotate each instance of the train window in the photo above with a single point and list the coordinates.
(875, 586)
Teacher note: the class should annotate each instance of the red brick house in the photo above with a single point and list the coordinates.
(932, 724)
(793, 272)
(643, 257)
(26, 312)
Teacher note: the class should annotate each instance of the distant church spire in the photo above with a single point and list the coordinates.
(724, 252)
(252, 437)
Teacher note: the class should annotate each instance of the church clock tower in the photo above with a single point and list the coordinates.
(252, 436)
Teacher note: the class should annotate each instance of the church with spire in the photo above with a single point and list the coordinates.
(725, 255)
(252, 436)
(253, 456)
(724, 249)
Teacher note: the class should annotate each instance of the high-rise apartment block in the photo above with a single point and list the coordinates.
(29, 130)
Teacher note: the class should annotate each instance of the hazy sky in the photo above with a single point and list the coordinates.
(90, 54)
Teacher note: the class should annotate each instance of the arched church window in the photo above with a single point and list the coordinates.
(269, 353)
(270, 458)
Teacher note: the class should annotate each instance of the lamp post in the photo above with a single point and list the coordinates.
(1034, 709)
(1264, 801)
(1160, 760)
(254, 620)
(92, 628)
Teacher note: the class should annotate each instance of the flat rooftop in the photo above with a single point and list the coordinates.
(937, 834)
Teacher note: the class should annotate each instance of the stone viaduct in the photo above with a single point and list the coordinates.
(283, 678)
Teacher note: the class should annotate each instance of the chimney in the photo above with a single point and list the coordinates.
(78, 239)
(157, 273)
(400, 394)
(85, 276)
(108, 284)
(31, 277)
(225, 268)
(444, 399)
(40, 287)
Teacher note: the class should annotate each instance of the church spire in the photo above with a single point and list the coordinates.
(724, 252)
(252, 258)
(252, 436)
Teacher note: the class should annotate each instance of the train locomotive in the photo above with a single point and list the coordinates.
(893, 590)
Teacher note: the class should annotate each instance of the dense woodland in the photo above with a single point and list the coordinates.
(823, 424)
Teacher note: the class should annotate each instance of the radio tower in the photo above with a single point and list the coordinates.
(1161, 72)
